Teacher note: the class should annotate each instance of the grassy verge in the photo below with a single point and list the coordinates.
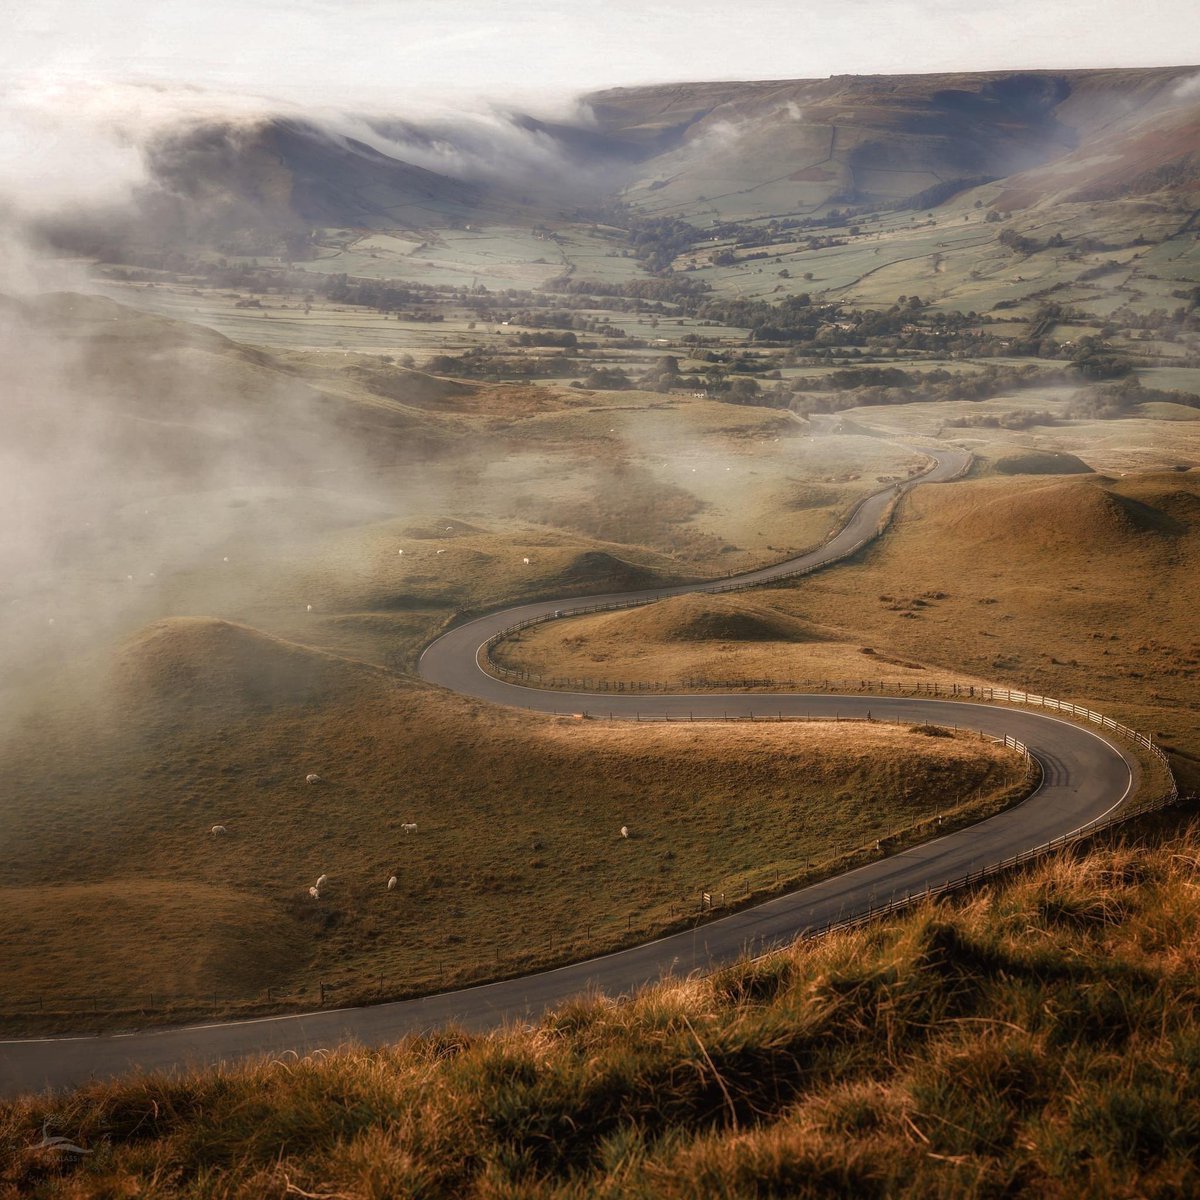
(1028, 1038)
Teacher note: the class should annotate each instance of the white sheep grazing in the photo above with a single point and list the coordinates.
(392, 883)
(441, 552)
(310, 778)
(316, 895)
(409, 827)
(321, 881)
(218, 829)
(525, 560)
(624, 831)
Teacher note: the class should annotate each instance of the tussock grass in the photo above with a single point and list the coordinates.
(980, 1046)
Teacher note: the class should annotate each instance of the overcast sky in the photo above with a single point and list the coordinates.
(339, 51)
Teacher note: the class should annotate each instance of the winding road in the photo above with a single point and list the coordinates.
(1085, 776)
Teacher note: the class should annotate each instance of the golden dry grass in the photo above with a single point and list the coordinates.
(704, 642)
(1081, 588)
(517, 861)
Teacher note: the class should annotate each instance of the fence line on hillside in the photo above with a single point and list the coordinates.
(693, 904)
(10, 1008)
(918, 688)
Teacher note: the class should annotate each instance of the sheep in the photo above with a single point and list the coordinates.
(218, 829)
(624, 831)
(321, 881)
(392, 884)
(441, 552)
(308, 608)
(525, 560)
(314, 893)
(399, 551)
(409, 826)
(311, 778)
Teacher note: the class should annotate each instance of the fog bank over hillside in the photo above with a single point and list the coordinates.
(100, 169)
(150, 467)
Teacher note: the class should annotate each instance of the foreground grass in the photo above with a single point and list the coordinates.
(1037, 1037)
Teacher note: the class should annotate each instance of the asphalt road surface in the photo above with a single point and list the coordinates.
(1084, 777)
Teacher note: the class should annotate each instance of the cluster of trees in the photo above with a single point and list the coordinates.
(1114, 400)
(658, 241)
(890, 385)
(480, 363)
(605, 379)
(797, 321)
(1024, 418)
(558, 318)
(562, 341)
(1075, 248)
(672, 289)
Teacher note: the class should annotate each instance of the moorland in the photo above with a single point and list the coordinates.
(310, 404)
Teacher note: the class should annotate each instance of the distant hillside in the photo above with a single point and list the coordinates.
(281, 176)
(730, 150)
(780, 147)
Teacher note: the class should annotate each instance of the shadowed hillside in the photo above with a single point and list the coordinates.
(727, 150)
(1076, 517)
(741, 149)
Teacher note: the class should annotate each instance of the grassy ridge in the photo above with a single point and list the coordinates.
(1037, 1037)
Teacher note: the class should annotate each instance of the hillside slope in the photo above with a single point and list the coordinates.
(702, 150)
(1034, 1038)
(114, 772)
(739, 150)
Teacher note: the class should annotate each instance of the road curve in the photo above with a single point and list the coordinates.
(1084, 777)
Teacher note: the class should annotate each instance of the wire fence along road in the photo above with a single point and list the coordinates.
(1087, 778)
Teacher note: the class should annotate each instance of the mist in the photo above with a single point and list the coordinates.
(136, 453)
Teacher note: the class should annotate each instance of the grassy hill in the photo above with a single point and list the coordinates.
(705, 641)
(742, 150)
(1024, 1039)
(1073, 585)
(113, 776)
